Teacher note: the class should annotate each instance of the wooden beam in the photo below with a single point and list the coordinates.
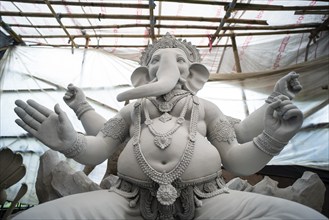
(133, 17)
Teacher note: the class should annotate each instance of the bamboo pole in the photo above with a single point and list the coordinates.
(222, 22)
(236, 54)
(152, 20)
(12, 33)
(60, 23)
(114, 45)
(311, 12)
(247, 27)
(316, 108)
(80, 3)
(133, 17)
(63, 88)
(314, 35)
(176, 35)
(254, 7)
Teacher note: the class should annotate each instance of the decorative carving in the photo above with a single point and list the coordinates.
(163, 140)
(164, 178)
(222, 131)
(169, 41)
(115, 128)
(78, 146)
(268, 144)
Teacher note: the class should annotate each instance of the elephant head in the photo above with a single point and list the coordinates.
(168, 64)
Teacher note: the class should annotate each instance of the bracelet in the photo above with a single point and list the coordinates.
(270, 99)
(78, 146)
(82, 108)
(268, 144)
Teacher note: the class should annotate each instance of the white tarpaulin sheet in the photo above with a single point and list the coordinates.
(43, 73)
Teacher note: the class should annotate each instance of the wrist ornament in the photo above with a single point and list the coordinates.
(82, 108)
(268, 144)
(77, 147)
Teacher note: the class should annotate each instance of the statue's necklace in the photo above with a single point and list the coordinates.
(167, 193)
(163, 140)
(171, 100)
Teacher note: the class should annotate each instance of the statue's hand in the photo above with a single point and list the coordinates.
(74, 97)
(54, 129)
(76, 100)
(286, 121)
(288, 85)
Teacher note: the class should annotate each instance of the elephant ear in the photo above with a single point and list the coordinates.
(198, 76)
(140, 76)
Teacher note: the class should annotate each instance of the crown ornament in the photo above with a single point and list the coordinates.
(169, 41)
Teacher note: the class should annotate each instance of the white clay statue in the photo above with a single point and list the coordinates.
(176, 144)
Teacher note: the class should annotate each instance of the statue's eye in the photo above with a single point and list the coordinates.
(155, 60)
(180, 60)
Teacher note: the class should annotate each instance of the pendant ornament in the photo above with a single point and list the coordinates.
(165, 117)
(162, 142)
(167, 194)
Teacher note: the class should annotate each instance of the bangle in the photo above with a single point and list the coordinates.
(268, 144)
(82, 108)
(270, 99)
(78, 146)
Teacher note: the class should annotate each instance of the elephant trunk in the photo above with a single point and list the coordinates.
(166, 81)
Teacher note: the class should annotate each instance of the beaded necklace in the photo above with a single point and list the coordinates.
(166, 193)
(163, 140)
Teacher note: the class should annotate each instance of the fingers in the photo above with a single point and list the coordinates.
(293, 113)
(61, 114)
(40, 108)
(281, 104)
(294, 82)
(272, 107)
(26, 110)
(285, 108)
(27, 122)
(26, 127)
(71, 91)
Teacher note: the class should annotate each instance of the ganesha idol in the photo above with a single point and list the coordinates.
(175, 145)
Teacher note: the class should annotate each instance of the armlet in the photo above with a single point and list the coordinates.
(222, 131)
(232, 121)
(116, 128)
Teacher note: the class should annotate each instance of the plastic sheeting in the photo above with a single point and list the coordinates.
(280, 50)
(43, 73)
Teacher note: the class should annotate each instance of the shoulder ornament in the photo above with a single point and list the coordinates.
(115, 128)
(222, 131)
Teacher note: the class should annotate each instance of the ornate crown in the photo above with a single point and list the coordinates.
(169, 41)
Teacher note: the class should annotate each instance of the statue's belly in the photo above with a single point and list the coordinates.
(205, 160)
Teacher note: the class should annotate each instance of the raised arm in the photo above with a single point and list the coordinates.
(251, 156)
(91, 121)
(253, 125)
(55, 130)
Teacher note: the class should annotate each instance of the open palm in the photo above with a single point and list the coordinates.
(52, 128)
